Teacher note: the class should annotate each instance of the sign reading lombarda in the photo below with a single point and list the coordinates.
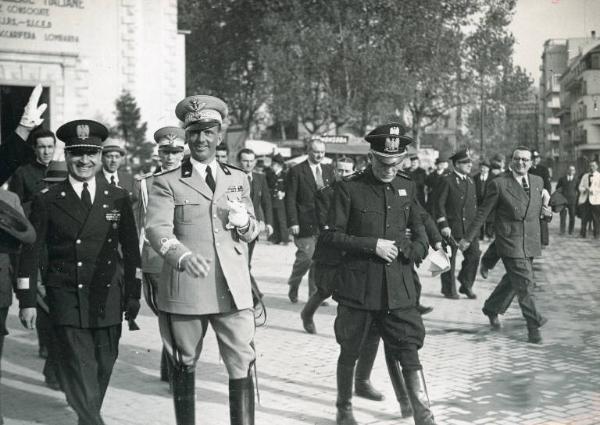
(47, 25)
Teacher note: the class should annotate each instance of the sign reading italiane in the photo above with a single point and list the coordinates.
(42, 25)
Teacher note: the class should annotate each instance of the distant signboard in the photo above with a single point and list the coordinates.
(338, 140)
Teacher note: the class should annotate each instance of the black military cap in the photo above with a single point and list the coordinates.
(15, 229)
(389, 140)
(440, 159)
(461, 156)
(82, 134)
(534, 153)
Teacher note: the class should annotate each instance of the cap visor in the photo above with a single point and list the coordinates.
(202, 125)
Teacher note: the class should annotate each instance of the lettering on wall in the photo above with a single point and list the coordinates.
(40, 24)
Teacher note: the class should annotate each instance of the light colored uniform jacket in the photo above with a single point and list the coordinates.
(592, 191)
(185, 216)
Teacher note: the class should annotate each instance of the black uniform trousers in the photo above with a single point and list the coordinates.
(402, 331)
(570, 210)
(518, 280)
(490, 257)
(590, 213)
(468, 270)
(86, 361)
(47, 338)
(280, 227)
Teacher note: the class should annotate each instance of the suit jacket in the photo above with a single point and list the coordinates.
(517, 218)
(589, 192)
(14, 152)
(480, 186)
(568, 189)
(83, 277)
(456, 204)
(364, 210)
(261, 198)
(183, 216)
(276, 184)
(300, 197)
(419, 176)
(432, 181)
(126, 181)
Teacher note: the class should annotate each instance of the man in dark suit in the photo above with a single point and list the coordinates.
(456, 206)
(516, 197)
(432, 182)
(481, 179)
(567, 185)
(113, 155)
(261, 200)
(276, 181)
(418, 175)
(538, 169)
(370, 213)
(303, 181)
(81, 225)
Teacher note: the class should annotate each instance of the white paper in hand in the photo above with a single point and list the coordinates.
(438, 262)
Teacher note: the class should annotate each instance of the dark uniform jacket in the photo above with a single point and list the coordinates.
(300, 197)
(517, 218)
(363, 211)
(456, 204)
(82, 279)
(261, 198)
(27, 181)
(480, 186)
(14, 152)
(276, 183)
(568, 189)
(419, 176)
(126, 181)
(432, 181)
(325, 254)
(542, 171)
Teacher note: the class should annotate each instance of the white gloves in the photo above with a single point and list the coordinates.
(238, 215)
(32, 115)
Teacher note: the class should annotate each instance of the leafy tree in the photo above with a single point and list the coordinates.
(128, 126)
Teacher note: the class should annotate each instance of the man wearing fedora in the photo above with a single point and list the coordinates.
(171, 142)
(81, 225)
(200, 219)
(371, 211)
(113, 155)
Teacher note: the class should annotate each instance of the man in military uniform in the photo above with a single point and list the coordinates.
(276, 182)
(200, 219)
(171, 142)
(456, 206)
(222, 153)
(81, 225)
(370, 213)
(113, 155)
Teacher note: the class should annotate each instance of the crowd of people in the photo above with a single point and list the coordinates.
(84, 241)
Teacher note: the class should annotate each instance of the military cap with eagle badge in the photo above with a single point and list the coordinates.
(200, 112)
(389, 140)
(82, 134)
(171, 138)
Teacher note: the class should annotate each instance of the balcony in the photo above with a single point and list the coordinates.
(552, 137)
(553, 121)
(553, 103)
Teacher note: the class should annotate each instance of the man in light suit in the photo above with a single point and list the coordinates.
(200, 219)
(302, 184)
(516, 197)
(589, 199)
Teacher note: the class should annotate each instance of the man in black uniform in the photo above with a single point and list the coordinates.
(276, 182)
(370, 213)
(418, 175)
(81, 224)
(432, 182)
(538, 169)
(456, 207)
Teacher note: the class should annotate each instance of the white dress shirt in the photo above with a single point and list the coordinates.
(201, 168)
(108, 175)
(78, 187)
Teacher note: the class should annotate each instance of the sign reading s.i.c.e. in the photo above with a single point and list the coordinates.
(41, 25)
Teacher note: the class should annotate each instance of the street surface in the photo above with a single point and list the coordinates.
(474, 375)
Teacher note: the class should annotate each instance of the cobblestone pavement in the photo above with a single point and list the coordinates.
(474, 375)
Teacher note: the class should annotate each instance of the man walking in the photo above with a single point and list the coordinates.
(200, 218)
(589, 200)
(542, 171)
(516, 198)
(276, 181)
(371, 211)
(81, 224)
(567, 185)
(456, 209)
(302, 183)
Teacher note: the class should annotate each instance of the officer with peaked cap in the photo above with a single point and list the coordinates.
(456, 207)
(82, 223)
(170, 142)
(200, 219)
(370, 214)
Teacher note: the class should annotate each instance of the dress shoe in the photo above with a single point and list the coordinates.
(364, 389)
(468, 292)
(494, 321)
(533, 335)
(308, 324)
(424, 309)
(484, 272)
(451, 296)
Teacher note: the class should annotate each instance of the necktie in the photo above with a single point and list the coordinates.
(112, 180)
(525, 185)
(210, 180)
(319, 177)
(86, 198)
(250, 183)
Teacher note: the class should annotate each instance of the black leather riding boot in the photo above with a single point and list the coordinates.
(364, 366)
(184, 395)
(241, 401)
(400, 390)
(415, 384)
(309, 310)
(345, 375)
(164, 366)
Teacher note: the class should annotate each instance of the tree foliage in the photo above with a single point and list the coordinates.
(128, 122)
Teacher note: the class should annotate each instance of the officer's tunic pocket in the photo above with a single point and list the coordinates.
(188, 211)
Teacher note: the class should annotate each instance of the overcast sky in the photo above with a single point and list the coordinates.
(535, 21)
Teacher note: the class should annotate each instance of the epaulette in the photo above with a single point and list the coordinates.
(161, 172)
(404, 174)
(354, 176)
(144, 176)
